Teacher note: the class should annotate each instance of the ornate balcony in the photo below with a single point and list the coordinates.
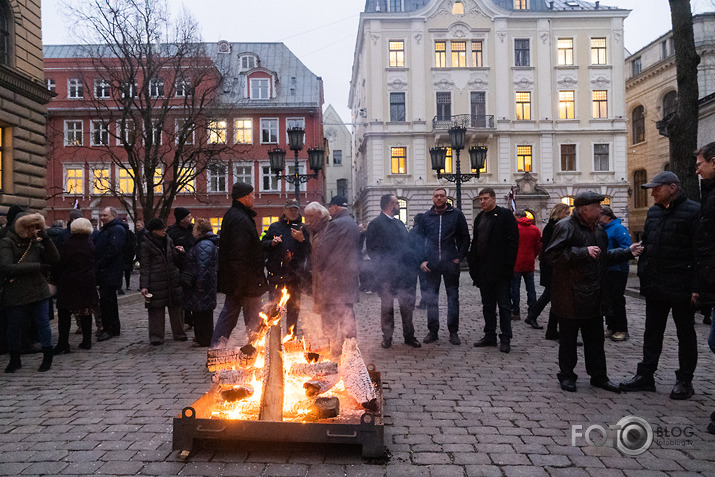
(468, 121)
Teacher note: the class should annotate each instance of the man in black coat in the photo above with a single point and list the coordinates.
(491, 266)
(668, 283)
(395, 270)
(182, 234)
(109, 250)
(579, 255)
(240, 265)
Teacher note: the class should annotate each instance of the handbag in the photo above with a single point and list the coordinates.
(7, 280)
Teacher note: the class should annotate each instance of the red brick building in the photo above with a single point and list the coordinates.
(265, 91)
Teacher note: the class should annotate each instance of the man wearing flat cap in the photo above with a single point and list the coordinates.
(240, 265)
(666, 271)
(579, 255)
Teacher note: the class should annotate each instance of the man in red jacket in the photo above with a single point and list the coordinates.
(529, 248)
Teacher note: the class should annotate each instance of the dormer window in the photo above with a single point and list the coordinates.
(260, 88)
(248, 62)
(520, 5)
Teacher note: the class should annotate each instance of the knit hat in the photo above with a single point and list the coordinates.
(155, 224)
(180, 213)
(241, 189)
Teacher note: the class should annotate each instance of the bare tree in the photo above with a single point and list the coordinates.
(152, 92)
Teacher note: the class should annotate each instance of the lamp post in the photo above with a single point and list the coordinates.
(316, 156)
(477, 157)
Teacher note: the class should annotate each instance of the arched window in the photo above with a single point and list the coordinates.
(670, 103)
(638, 125)
(640, 195)
(403, 209)
(568, 200)
(4, 33)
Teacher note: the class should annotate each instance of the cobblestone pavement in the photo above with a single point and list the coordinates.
(451, 410)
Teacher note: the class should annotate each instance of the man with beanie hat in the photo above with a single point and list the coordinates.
(240, 265)
(182, 234)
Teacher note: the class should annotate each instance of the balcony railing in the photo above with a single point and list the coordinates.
(469, 121)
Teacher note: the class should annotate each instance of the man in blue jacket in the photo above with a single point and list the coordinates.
(109, 251)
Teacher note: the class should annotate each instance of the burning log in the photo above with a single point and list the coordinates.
(314, 369)
(233, 376)
(318, 386)
(355, 376)
(273, 379)
(227, 358)
(325, 408)
(237, 394)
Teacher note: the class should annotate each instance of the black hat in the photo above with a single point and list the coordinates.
(587, 198)
(291, 203)
(241, 189)
(155, 224)
(665, 177)
(339, 200)
(180, 213)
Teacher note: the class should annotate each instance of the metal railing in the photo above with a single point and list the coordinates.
(469, 121)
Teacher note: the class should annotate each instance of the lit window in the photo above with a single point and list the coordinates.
(568, 157)
(243, 173)
(477, 54)
(51, 86)
(186, 177)
(158, 180)
(260, 88)
(568, 200)
(397, 106)
(600, 104)
(73, 133)
(75, 89)
(523, 105)
(448, 162)
(440, 54)
(100, 133)
(398, 159)
(217, 131)
(216, 224)
(598, 51)
(268, 220)
(600, 157)
(100, 181)
(102, 89)
(606, 200)
(638, 125)
(565, 51)
(126, 181)
(397, 54)
(520, 5)
(521, 52)
(403, 210)
(269, 131)
(269, 181)
(523, 158)
(74, 181)
(217, 178)
(459, 54)
(566, 104)
(156, 88)
(243, 131)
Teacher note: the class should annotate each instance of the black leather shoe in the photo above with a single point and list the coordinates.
(386, 343)
(638, 383)
(484, 342)
(430, 338)
(412, 342)
(531, 322)
(454, 339)
(682, 390)
(606, 384)
(505, 347)
(103, 336)
(711, 427)
(552, 336)
(568, 385)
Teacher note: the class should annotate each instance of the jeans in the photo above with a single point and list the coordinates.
(496, 294)
(228, 318)
(109, 310)
(656, 318)
(36, 312)
(516, 290)
(450, 273)
(593, 352)
(616, 319)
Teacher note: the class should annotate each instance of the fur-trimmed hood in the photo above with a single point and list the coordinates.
(26, 223)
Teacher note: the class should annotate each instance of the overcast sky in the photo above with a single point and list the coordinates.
(322, 32)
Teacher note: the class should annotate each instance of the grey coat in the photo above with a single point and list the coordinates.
(159, 273)
(336, 261)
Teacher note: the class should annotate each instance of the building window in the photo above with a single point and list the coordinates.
(640, 195)
(477, 60)
(248, 62)
(295, 123)
(523, 158)
(74, 180)
(4, 36)
(269, 131)
(521, 52)
(243, 131)
(158, 180)
(156, 131)
(600, 104)
(459, 54)
(129, 90)
(444, 106)
(102, 89)
(520, 5)
(636, 66)
(217, 177)
(100, 133)
(448, 162)
(156, 88)
(75, 89)
(343, 187)
(126, 181)
(638, 125)
(440, 54)
(260, 88)
(338, 159)
(51, 86)
(402, 214)
(186, 176)
(598, 51)
(398, 160)
(568, 200)
(565, 51)
(478, 109)
(397, 106)
(2, 154)
(301, 170)
(73, 133)
(523, 105)
(600, 157)
(100, 181)
(217, 131)
(181, 87)
(216, 224)
(185, 132)
(268, 220)
(269, 181)
(243, 173)
(397, 53)
(666, 48)
(566, 104)
(670, 103)
(126, 133)
(568, 157)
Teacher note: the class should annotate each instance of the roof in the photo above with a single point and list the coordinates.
(374, 6)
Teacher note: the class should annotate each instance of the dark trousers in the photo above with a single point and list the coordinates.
(109, 310)
(594, 355)
(127, 277)
(203, 326)
(406, 300)
(18, 315)
(516, 290)
(423, 287)
(538, 306)
(228, 318)
(64, 323)
(496, 294)
(656, 318)
(616, 319)
(451, 285)
(292, 306)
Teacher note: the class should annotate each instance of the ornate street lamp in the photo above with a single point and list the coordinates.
(316, 158)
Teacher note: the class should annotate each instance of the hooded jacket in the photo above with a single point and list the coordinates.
(529, 245)
(618, 237)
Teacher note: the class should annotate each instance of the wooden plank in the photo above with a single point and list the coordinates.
(273, 379)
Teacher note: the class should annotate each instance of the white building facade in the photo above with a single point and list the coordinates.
(539, 83)
(339, 159)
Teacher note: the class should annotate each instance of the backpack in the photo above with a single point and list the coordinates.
(130, 247)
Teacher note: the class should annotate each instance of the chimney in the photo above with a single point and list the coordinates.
(597, 4)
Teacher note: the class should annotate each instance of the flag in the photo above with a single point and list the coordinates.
(511, 200)
(76, 204)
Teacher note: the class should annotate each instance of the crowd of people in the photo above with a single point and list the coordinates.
(583, 258)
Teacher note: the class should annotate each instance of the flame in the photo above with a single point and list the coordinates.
(290, 335)
(284, 298)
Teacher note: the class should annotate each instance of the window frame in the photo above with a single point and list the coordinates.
(124, 178)
(638, 125)
(182, 87)
(396, 53)
(75, 88)
(191, 139)
(567, 106)
(269, 130)
(447, 105)
(523, 107)
(295, 122)
(640, 195)
(237, 177)
(440, 55)
(216, 134)
(478, 54)
(78, 180)
(398, 109)
(521, 5)
(156, 88)
(267, 173)
(211, 175)
(102, 130)
(459, 55)
(94, 179)
(599, 109)
(571, 156)
(51, 85)
(522, 56)
(521, 158)
(243, 130)
(261, 86)
(74, 142)
(122, 135)
(189, 187)
(565, 55)
(337, 163)
(600, 155)
(598, 52)
(636, 66)
(399, 160)
(102, 89)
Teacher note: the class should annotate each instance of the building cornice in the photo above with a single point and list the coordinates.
(24, 86)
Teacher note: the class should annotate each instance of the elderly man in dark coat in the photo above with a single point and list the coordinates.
(395, 270)
(579, 254)
(109, 251)
(337, 265)
(240, 265)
